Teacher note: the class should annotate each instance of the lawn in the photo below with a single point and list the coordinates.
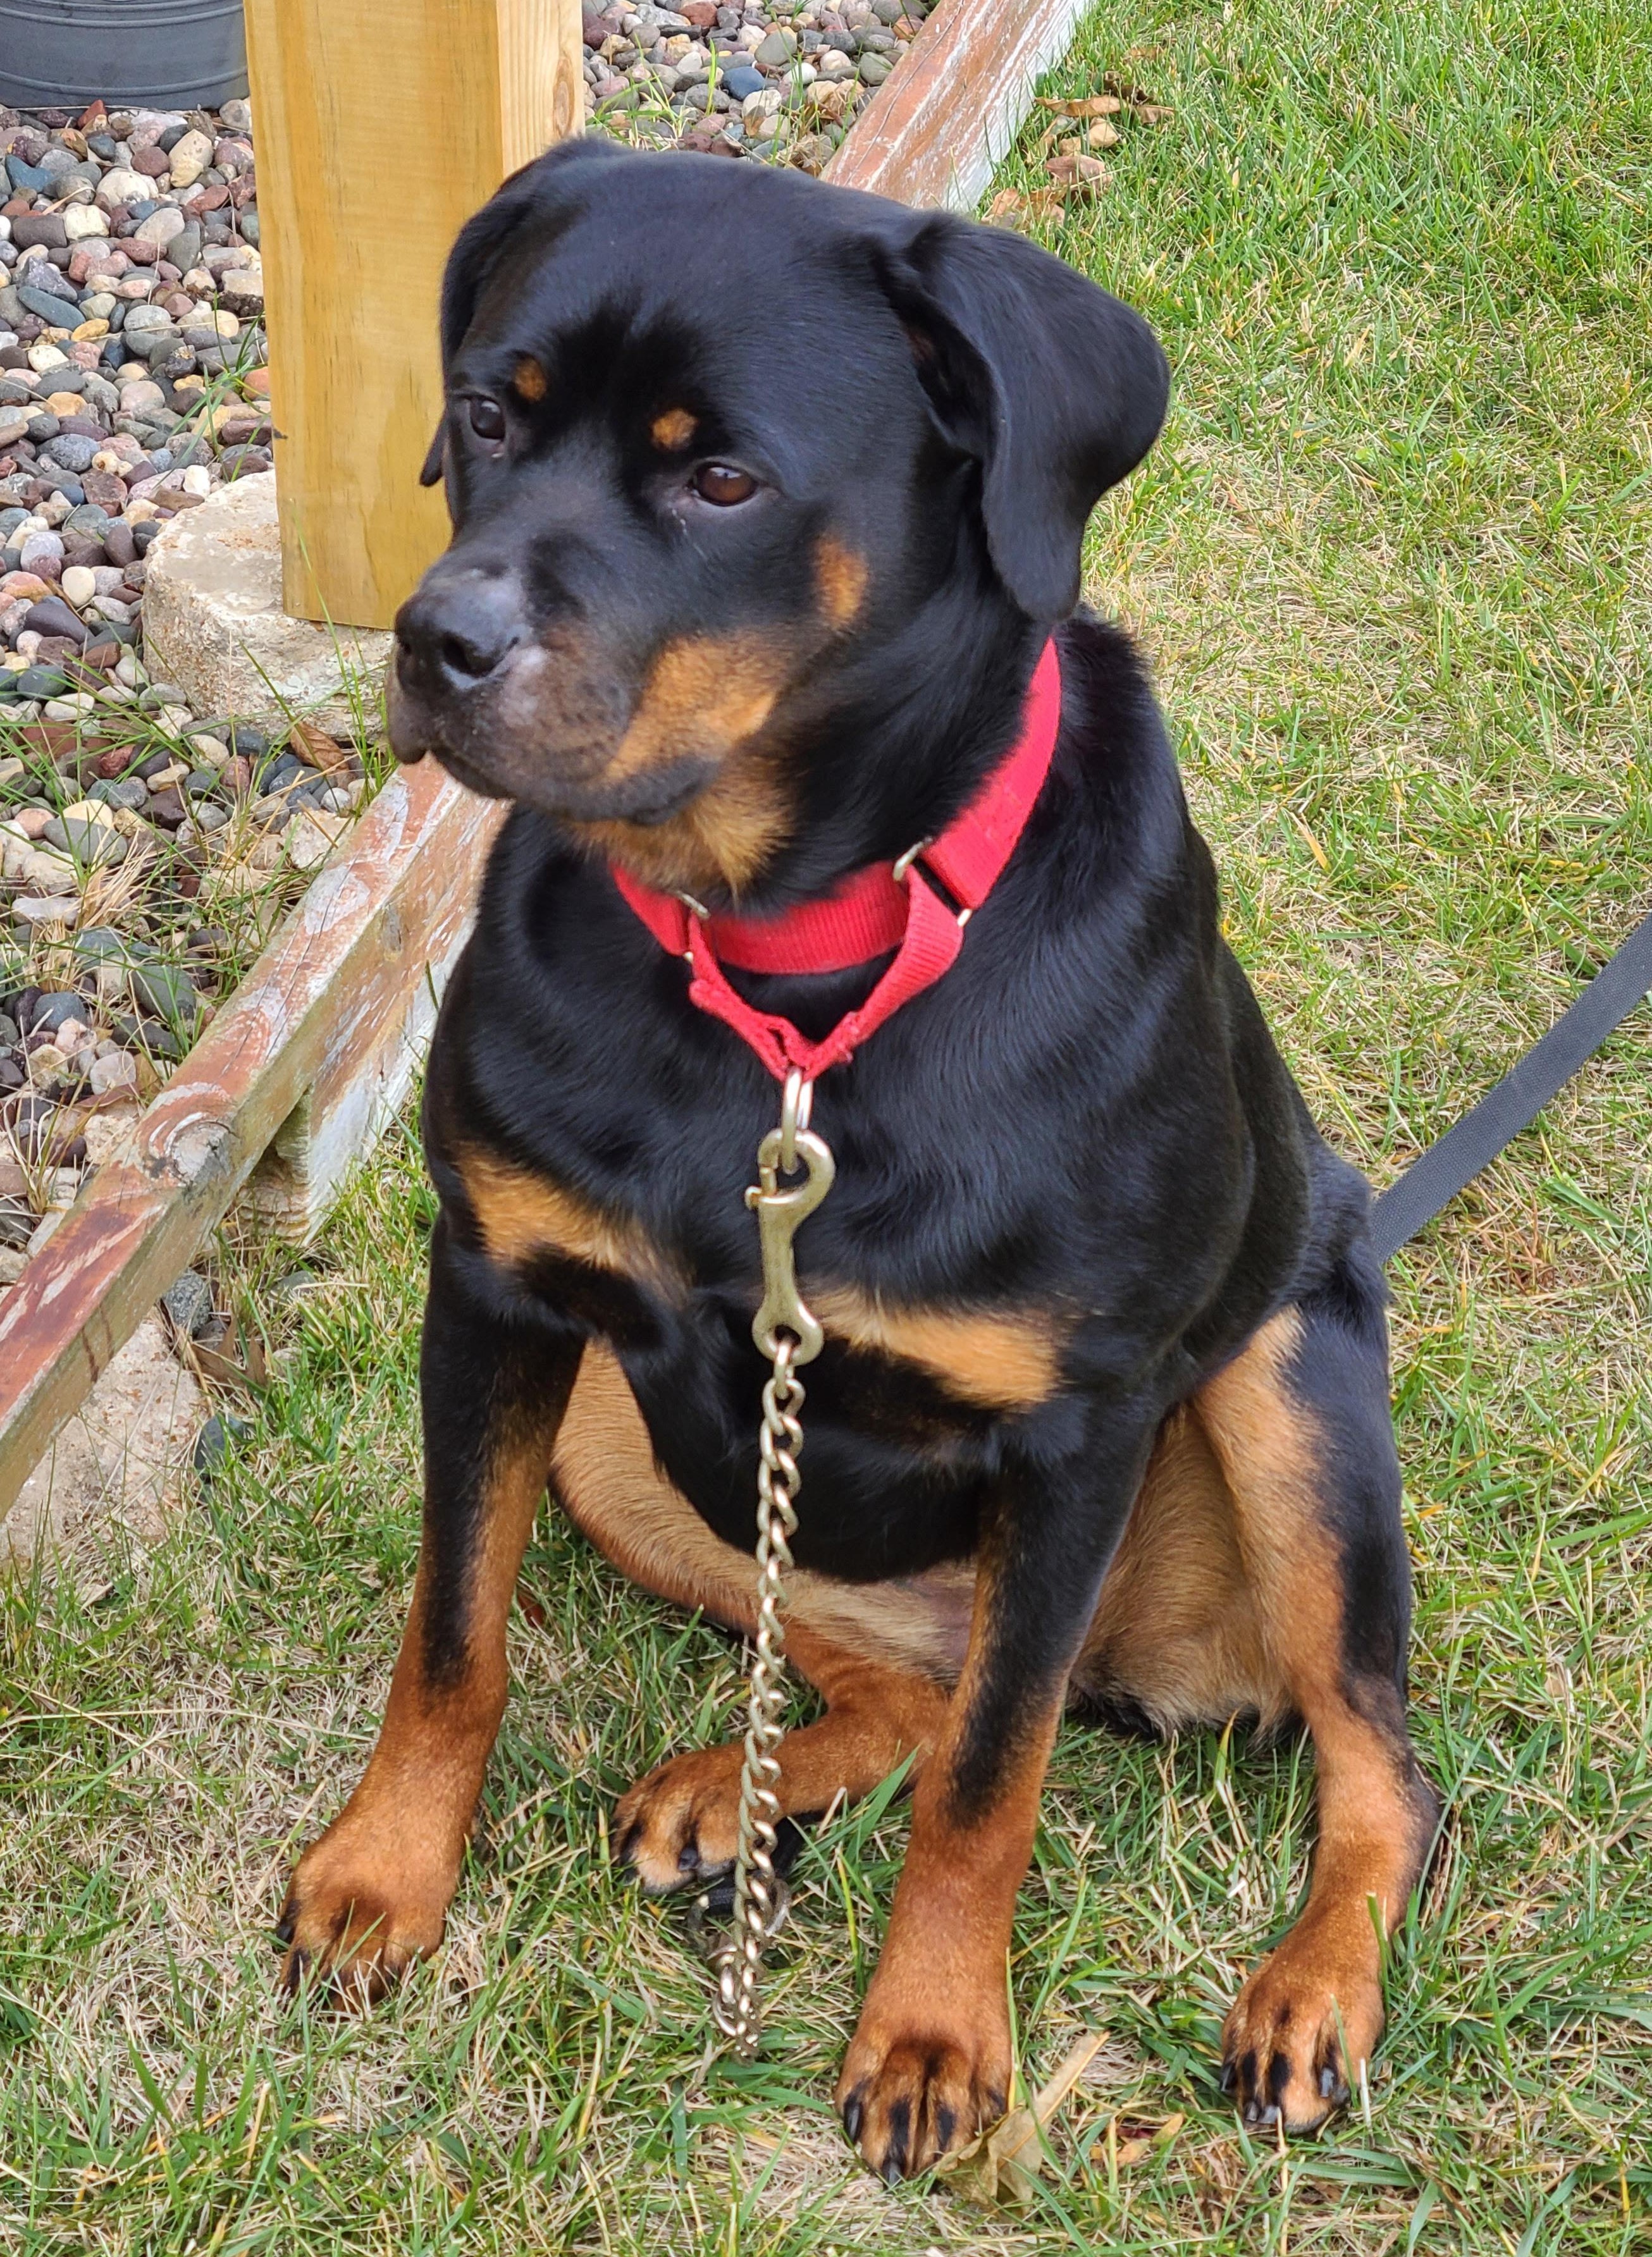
(1390, 561)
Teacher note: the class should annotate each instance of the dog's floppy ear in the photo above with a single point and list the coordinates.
(1056, 388)
(475, 256)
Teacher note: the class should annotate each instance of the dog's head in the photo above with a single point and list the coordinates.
(745, 472)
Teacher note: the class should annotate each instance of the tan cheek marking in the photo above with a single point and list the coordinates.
(530, 380)
(673, 429)
(521, 1216)
(702, 697)
(1001, 1362)
(840, 577)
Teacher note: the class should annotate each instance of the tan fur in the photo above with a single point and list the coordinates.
(521, 1215)
(840, 576)
(929, 2063)
(673, 429)
(724, 836)
(530, 380)
(1176, 1631)
(876, 1718)
(1004, 1363)
(1373, 1816)
(372, 1894)
(703, 695)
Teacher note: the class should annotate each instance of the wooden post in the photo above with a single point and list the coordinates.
(381, 125)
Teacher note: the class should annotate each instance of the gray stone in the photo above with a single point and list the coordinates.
(52, 1011)
(118, 1459)
(101, 943)
(213, 617)
(776, 49)
(41, 682)
(129, 793)
(71, 452)
(166, 992)
(188, 1302)
(95, 846)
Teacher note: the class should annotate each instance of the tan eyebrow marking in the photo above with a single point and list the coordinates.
(673, 428)
(530, 379)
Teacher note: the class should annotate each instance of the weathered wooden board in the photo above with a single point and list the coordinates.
(341, 971)
(947, 116)
(382, 126)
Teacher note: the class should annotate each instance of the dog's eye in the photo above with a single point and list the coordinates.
(487, 419)
(722, 483)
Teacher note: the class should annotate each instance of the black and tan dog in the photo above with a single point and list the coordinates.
(766, 498)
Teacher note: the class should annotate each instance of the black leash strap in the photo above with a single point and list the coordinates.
(1430, 1183)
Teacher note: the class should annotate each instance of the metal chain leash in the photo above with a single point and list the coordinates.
(759, 1902)
(788, 1334)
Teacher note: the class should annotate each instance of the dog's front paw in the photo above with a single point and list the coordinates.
(1300, 2029)
(910, 2093)
(360, 1908)
(680, 1823)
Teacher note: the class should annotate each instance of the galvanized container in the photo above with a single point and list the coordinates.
(162, 54)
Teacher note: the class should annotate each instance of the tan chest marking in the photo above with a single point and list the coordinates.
(1003, 1363)
(521, 1216)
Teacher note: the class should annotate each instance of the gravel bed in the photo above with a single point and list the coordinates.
(146, 849)
(773, 81)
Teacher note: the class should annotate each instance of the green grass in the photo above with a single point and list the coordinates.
(1390, 563)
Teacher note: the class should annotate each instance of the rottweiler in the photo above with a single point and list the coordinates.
(767, 498)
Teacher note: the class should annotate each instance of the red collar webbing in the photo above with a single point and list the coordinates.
(868, 913)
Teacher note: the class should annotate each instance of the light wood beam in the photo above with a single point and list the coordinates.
(381, 126)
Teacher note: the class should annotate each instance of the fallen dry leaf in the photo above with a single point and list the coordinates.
(1088, 105)
(1140, 2143)
(998, 2169)
(1016, 208)
(312, 745)
(1151, 113)
(1078, 170)
(1102, 134)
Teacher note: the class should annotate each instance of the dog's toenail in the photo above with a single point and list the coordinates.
(688, 1857)
(1327, 2084)
(1229, 2076)
(854, 2116)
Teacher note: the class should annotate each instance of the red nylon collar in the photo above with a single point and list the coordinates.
(868, 913)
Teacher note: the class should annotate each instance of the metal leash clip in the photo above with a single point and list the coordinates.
(788, 1335)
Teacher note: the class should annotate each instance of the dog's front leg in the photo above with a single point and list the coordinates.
(929, 2064)
(372, 1894)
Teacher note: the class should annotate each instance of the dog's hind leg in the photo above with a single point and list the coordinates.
(881, 1654)
(372, 1894)
(1302, 1427)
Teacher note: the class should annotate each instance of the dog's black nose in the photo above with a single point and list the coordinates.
(455, 630)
